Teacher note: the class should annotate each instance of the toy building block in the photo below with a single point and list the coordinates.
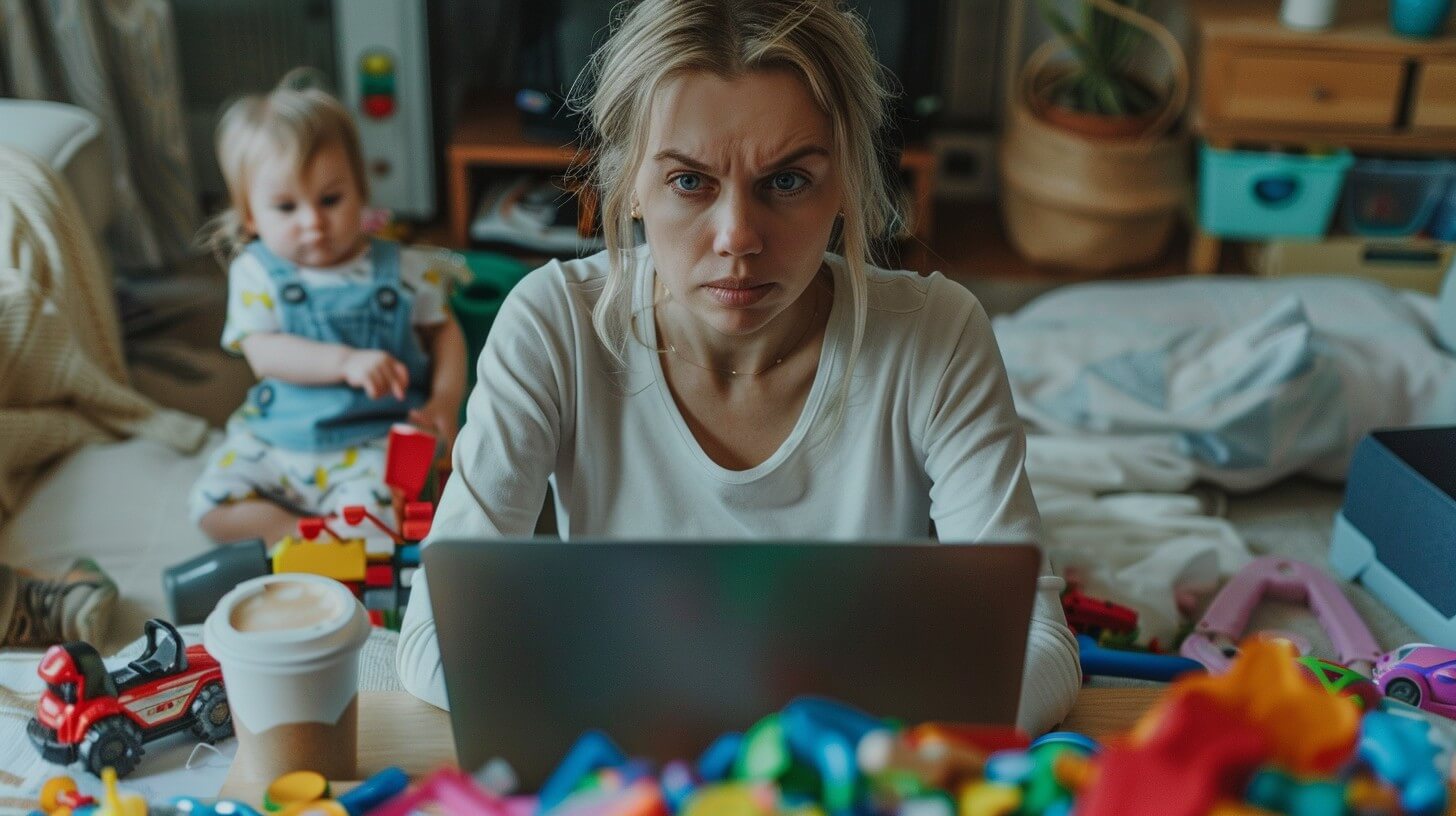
(1396, 531)
(336, 557)
(379, 576)
(408, 458)
(103, 718)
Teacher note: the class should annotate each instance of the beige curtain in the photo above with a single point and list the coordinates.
(117, 59)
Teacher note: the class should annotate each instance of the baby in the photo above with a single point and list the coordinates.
(347, 334)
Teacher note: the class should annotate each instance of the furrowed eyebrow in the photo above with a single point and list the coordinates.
(683, 158)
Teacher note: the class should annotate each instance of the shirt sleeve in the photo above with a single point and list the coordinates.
(429, 274)
(975, 457)
(252, 306)
(503, 456)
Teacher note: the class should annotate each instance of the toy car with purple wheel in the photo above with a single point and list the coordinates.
(1423, 676)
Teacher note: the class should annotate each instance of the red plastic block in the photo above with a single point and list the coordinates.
(379, 575)
(415, 530)
(407, 460)
(1198, 753)
(376, 617)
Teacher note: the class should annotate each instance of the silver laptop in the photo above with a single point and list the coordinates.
(667, 645)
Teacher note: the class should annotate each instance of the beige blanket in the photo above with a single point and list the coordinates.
(62, 374)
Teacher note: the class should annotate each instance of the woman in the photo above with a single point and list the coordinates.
(730, 378)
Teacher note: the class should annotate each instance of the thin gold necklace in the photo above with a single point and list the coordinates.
(672, 348)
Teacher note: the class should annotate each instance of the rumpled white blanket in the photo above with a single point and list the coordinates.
(1135, 391)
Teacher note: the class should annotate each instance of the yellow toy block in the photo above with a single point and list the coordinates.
(341, 560)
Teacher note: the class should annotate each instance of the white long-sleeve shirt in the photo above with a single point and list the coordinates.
(929, 433)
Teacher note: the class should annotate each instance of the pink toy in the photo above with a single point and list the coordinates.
(1424, 677)
(451, 791)
(1213, 642)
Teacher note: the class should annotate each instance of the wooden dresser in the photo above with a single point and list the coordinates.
(1355, 85)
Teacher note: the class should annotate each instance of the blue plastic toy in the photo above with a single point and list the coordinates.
(1100, 661)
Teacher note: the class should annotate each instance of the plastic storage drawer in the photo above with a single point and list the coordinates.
(1246, 194)
(1393, 197)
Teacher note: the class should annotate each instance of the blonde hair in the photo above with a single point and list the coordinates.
(824, 44)
(291, 122)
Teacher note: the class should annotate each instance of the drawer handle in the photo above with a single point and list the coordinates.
(1319, 93)
(1277, 190)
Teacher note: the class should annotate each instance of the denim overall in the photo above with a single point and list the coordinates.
(375, 315)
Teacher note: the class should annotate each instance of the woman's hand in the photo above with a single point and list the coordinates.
(440, 419)
(376, 372)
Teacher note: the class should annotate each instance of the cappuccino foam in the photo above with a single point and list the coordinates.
(281, 606)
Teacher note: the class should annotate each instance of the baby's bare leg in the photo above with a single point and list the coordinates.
(248, 519)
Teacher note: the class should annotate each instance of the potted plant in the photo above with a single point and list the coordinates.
(1098, 93)
(1094, 173)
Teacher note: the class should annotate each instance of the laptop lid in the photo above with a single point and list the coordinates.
(667, 645)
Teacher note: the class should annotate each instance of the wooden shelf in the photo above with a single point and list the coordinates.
(489, 135)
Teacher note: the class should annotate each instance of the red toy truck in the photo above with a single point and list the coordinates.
(102, 718)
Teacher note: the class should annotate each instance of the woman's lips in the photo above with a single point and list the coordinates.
(738, 295)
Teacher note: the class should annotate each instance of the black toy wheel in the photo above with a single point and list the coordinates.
(114, 742)
(212, 718)
(1405, 691)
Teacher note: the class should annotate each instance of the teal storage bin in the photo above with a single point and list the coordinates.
(492, 276)
(1254, 195)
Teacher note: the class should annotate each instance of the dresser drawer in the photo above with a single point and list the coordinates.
(1435, 105)
(1303, 89)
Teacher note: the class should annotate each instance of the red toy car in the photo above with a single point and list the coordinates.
(102, 718)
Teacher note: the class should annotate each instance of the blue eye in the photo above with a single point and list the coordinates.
(695, 182)
(789, 182)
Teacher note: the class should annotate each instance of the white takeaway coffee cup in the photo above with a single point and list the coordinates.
(289, 648)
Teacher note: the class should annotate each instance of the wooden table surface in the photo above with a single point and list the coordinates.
(396, 728)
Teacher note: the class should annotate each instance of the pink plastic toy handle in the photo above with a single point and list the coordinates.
(1294, 581)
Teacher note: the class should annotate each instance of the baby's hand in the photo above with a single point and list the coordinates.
(438, 419)
(376, 372)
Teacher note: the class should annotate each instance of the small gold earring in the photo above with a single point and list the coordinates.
(636, 216)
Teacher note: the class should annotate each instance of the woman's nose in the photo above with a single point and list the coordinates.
(735, 231)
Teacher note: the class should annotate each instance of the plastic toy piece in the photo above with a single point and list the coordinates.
(1092, 616)
(449, 790)
(1193, 745)
(825, 734)
(1100, 661)
(716, 762)
(1400, 751)
(1223, 624)
(115, 804)
(1308, 731)
(1281, 793)
(103, 718)
(61, 792)
(990, 799)
(299, 787)
(408, 458)
(592, 751)
(1342, 682)
(1424, 677)
(641, 798)
(932, 764)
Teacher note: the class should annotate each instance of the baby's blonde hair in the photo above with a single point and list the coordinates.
(293, 123)
(822, 42)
